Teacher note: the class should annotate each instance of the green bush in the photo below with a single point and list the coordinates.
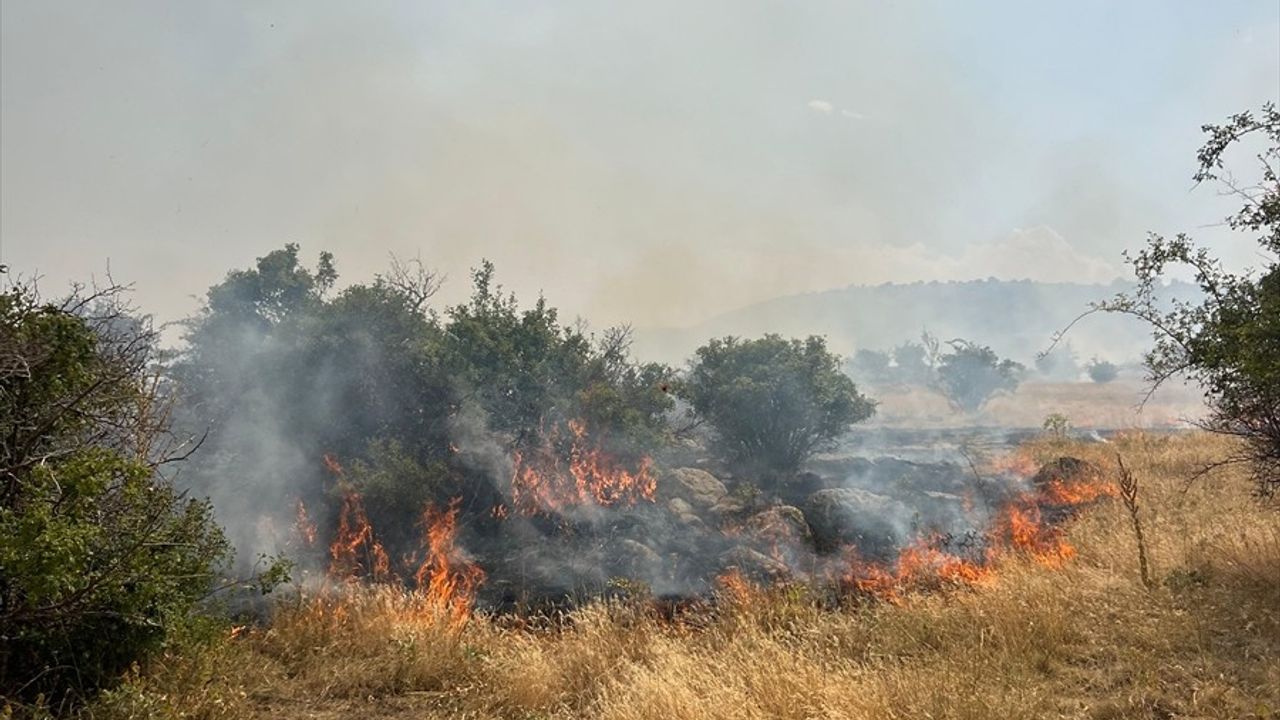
(772, 402)
(1101, 371)
(101, 560)
(971, 374)
(1229, 342)
(419, 406)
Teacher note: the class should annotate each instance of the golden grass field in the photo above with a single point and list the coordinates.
(1115, 405)
(1084, 641)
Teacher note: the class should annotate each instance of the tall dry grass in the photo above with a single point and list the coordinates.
(1084, 641)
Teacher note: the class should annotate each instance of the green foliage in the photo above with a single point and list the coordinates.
(1057, 425)
(1060, 363)
(912, 363)
(906, 364)
(1101, 371)
(772, 402)
(1228, 342)
(281, 370)
(871, 366)
(971, 374)
(100, 558)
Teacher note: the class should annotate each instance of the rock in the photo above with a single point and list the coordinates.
(636, 560)
(754, 565)
(679, 506)
(780, 524)
(693, 521)
(729, 506)
(842, 516)
(1067, 470)
(699, 488)
(794, 490)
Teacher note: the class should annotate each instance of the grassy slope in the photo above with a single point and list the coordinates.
(1086, 641)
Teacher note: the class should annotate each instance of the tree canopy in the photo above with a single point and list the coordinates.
(1229, 341)
(772, 402)
(100, 557)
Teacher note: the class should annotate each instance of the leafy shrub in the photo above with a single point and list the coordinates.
(1101, 371)
(1057, 425)
(280, 370)
(772, 402)
(100, 558)
(971, 374)
(1230, 340)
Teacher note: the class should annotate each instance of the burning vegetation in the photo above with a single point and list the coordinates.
(543, 482)
(580, 501)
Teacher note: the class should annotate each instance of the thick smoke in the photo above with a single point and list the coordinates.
(719, 156)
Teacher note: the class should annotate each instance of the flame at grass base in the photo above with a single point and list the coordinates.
(1019, 528)
(448, 582)
(543, 483)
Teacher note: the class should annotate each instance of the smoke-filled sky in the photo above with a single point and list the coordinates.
(658, 162)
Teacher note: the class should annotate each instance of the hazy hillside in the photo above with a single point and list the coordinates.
(1015, 317)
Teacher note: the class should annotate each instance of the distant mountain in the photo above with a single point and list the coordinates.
(1017, 318)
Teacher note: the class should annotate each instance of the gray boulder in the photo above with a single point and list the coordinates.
(780, 524)
(754, 565)
(845, 516)
(699, 488)
(636, 560)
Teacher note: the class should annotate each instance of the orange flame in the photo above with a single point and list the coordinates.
(1019, 527)
(1077, 493)
(542, 483)
(922, 564)
(355, 552)
(303, 526)
(448, 582)
(736, 586)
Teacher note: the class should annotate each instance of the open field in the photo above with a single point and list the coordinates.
(1086, 640)
(1115, 405)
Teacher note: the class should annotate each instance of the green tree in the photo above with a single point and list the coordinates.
(529, 373)
(101, 560)
(1229, 341)
(911, 361)
(772, 401)
(971, 374)
(399, 393)
(870, 366)
(1101, 371)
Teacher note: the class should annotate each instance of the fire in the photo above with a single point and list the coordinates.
(1078, 493)
(355, 552)
(735, 586)
(303, 526)
(1019, 528)
(448, 582)
(543, 482)
(922, 564)
(331, 463)
(1026, 532)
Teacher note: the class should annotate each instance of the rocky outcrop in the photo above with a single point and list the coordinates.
(779, 525)
(754, 565)
(842, 516)
(697, 487)
(636, 560)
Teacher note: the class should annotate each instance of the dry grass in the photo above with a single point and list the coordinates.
(1084, 641)
(1089, 405)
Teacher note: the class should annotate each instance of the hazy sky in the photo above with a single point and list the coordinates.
(653, 161)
